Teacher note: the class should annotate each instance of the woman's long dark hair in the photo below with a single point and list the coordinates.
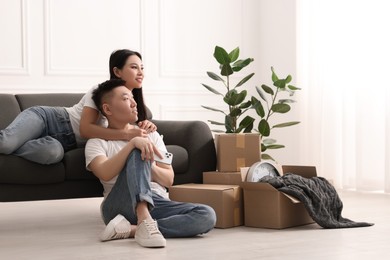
(118, 59)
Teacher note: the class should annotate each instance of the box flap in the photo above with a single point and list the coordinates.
(293, 199)
(258, 186)
(218, 187)
(304, 171)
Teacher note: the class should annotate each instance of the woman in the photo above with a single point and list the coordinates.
(126, 65)
(43, 134)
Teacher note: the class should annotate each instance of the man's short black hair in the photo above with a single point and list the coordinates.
(103, 89)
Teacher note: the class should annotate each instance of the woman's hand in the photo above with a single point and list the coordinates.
(135, 132)
(147, 126)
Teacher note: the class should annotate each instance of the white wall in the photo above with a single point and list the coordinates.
(64, 46)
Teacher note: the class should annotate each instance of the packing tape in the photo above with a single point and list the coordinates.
(240, 141)
(240, 162)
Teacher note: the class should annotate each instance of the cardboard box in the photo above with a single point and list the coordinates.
(226, 200)
(236, 150)
(266, 207)
(228, 178)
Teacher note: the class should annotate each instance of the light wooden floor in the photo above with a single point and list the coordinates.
(68, 229)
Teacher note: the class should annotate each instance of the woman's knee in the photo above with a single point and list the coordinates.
(53, 152)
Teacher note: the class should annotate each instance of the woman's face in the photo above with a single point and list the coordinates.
(132, 72)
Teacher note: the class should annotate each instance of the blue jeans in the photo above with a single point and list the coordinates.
(175, 219)
(40, 134)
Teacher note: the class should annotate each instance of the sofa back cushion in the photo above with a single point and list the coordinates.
(9, 109)
(49, 99)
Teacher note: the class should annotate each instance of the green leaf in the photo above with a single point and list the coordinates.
(215, 122)
(235, 112)
(263, 148)
(240, 64)
(286, 124)
(284, 101)
(214, 76)
(293, 87)
(265, 156)
(244, 80)
(267, 89)
(233, 98)
(274, 77)
(214, 109)
(264, 128)
(261, 94)
(246, 124)
(245, 105)
(212, 89)
(226, 70)
(288, 79)
(281, 83)
(280, 108)
(229, 124)
(258, 107)
(234, 54)
(268, 141)
(275, 146)
(248, 129)
(221, 55)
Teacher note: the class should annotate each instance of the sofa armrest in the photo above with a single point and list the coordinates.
(196, 138)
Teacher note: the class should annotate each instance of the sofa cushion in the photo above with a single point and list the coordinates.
(75, 169)
(16, 170)
(180, 161)
(51, 99)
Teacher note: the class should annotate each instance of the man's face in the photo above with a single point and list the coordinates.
(122, 106)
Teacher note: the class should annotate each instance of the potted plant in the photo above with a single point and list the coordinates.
(272, 101)
(234, 149)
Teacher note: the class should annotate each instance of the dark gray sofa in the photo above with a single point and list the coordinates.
(191, 143)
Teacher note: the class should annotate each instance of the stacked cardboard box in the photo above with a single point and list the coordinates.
(237, 202)
(226, 200)
(235, 151)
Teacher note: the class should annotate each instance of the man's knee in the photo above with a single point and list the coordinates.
(207, 219)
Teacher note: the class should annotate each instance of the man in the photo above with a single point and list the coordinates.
(134, 184)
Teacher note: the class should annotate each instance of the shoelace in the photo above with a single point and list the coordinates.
(151, 226)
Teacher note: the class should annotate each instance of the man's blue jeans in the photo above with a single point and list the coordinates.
(175, 219)
(40, 134)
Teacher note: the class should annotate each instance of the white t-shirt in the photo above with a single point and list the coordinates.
(96, 147)
(75, 115)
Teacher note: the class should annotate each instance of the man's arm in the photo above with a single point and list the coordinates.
(107, 168)
(162, 174)
(89, 128)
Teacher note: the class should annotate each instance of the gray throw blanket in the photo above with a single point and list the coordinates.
(319, 197)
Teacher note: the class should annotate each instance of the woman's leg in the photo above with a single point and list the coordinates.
(49, 150)
(39, 134)
(179, 219)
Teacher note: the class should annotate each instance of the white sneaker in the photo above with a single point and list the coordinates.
(148, 235)
(118, 228)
